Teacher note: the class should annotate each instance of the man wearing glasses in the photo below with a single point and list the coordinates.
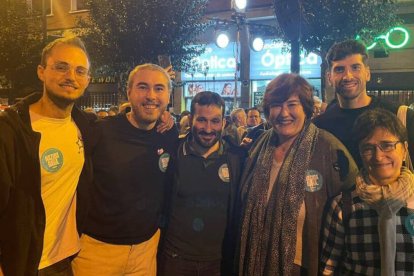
(45, 167)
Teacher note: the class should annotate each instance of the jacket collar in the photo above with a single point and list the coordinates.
(22, 109)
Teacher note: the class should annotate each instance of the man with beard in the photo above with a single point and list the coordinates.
(349, 74)
(130, 161)
(197, 240)
(44, 167)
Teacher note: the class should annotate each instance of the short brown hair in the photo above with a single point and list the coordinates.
(70, 40)
(346, 48)
(283, 87)
(207, 98)
(151, 67)
(370, 120)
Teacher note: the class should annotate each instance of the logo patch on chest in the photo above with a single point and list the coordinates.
(52, 160)
(223, 173)
(409, 224)
(163, 161)
(314, 181)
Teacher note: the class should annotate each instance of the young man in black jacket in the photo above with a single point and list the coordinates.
(45, 167)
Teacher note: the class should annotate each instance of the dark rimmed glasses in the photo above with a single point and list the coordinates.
(367, 150)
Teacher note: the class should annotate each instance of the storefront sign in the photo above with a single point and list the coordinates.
(214, 64)
(257, 98)
(395, 38)
(106, 79)
(274, 60)
(218, 65)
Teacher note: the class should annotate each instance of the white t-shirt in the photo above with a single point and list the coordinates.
(61, 156)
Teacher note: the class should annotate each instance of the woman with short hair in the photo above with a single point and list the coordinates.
(291, 171)
(370, 231)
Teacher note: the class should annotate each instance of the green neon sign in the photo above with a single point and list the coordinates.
(388, 38)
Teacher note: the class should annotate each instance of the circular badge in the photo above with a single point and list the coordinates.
(198, 224)
(409, 224)
(223, 173)
(52, 160)
(314, 181)
(163, 161)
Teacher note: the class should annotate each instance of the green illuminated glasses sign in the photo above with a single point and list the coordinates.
(395, 38)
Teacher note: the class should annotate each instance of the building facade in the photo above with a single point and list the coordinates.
(239, 73)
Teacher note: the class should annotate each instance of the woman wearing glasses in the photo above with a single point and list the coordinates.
(370, 231)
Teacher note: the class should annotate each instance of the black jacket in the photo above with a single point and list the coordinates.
(235, 157)
(22, 214)
(340, 121)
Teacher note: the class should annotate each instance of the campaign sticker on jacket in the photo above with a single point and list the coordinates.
(52, 160)
(163, 161)
(409, 224)
(314, 181)
(223, 173)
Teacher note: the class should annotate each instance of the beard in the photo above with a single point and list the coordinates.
(347, 93)
(60, 100)
(146, 118)
(206, 144)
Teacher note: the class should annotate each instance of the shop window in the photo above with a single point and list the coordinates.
(78, 5)
(224, 88)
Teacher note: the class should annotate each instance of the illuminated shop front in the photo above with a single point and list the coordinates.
(215, 71)
(274, 60)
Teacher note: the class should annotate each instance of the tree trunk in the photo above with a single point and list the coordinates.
(327, 91)
(288, 14)
(295, 56)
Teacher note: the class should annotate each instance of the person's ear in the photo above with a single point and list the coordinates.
(41, 72)
(329, 78)
(128, 93)
(190, 120)
(368, 72)
(88, 80)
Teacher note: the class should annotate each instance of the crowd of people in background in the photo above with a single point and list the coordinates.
(244, 120)
(291, 187)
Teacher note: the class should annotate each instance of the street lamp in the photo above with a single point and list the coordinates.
(222, 39)
(243, 28)
(257, 43)
(239, 5)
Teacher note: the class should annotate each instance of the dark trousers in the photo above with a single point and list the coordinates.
(61, 268)
(173, 265)
(299, 271)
